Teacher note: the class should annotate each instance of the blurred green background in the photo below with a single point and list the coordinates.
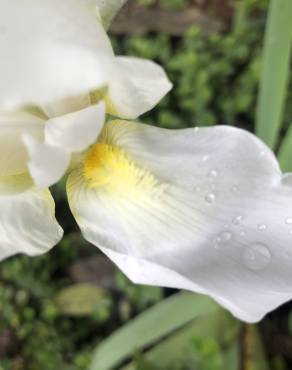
(56, 309)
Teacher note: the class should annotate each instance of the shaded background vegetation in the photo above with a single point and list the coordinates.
(55, 309)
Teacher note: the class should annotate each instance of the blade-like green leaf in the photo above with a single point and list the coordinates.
(210, 339)
(150, 326)
(285, 152)
(276, 56)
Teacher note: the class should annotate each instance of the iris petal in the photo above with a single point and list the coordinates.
(108, 9)
(13, 155)
(49, 50)
(64, 135)
(27, 220)
(135, 86)
(221, 224)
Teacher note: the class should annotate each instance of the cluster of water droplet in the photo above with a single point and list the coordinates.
(256, 256)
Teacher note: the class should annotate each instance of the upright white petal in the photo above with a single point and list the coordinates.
(64, 135)
(67, 105)
(27, 220)
(135, 86)
(205, 210)
(50, 50)
(13, 155)
(76, 131)
(47, 163)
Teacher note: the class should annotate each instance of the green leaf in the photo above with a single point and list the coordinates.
(209, 342)
(276, 57)
(285, 152)
(150, 326)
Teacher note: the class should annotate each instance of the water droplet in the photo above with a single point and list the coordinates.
(237, 220)
(213, 173)
(289, 221)
(205, 158)
(234, 189)
(262, 227)
(256, 257)
(242, 233)
(210, 198)
(222, 239)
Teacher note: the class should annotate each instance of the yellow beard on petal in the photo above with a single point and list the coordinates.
(109, 168)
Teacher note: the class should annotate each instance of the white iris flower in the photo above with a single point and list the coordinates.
(58, 59)
(58, 76)
(206, 209)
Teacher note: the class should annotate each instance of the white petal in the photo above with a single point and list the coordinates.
(67, 105)
(216, 220)
(135, 86)
(64, 135)
(108, 9)
(287, 179)
(13, 155)
(27, 221)
(47, 163)
(74, 132)
(50, 50)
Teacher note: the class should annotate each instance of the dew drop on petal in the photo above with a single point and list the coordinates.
(205, 158)
(237, 220)
(210, 198)
(289, 221)
(213, 173)
(222, 239)
(262, 227)
(256, 257)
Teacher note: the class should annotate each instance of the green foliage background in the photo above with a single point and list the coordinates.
(215, 80)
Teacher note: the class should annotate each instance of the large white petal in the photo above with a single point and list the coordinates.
(27, 218)
(50, 50)
(217, 218)
(13, 155)
(135, 86)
